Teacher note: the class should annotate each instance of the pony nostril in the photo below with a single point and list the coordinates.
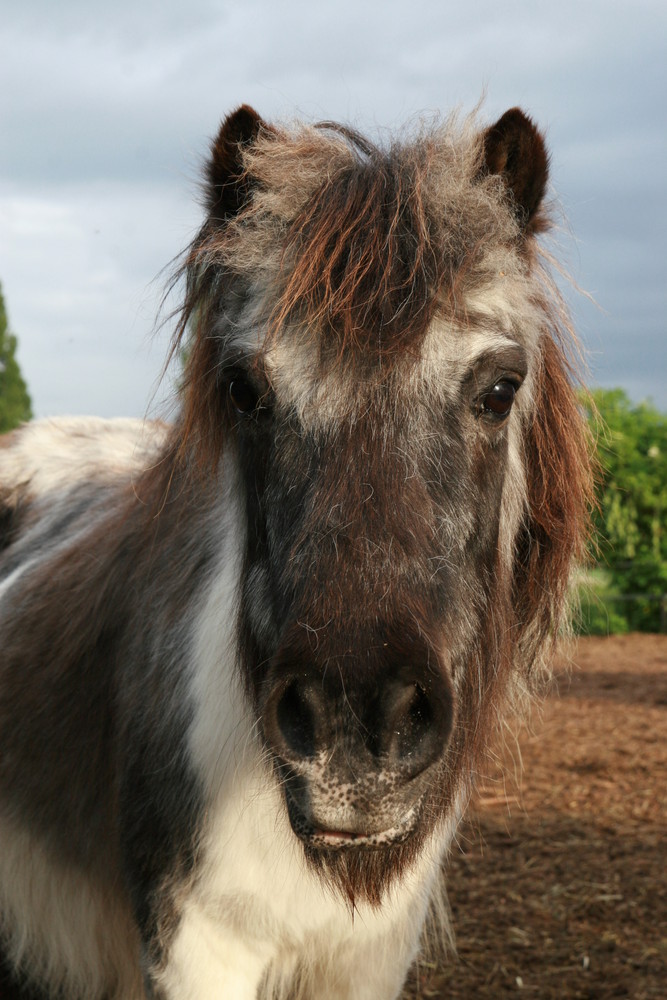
(411, 719)
(419, 717)
(419, 725)
(295, 717)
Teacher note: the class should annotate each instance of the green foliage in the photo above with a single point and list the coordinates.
(598, 616)
(630, 528)
(15, 404)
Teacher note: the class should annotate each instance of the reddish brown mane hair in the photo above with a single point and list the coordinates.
(366, 261)
(558, 452)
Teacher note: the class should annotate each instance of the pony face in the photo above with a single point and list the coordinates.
(372, 350)
(371, 561)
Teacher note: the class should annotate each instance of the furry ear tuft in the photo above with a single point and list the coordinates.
(228, 188)
(515, 149)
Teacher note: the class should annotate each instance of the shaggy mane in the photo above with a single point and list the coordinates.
(364, 242)
(351, 243)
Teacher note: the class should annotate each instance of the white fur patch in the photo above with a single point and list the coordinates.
(67, 931)
(220, 729)
(49, 456)
(256, 912)
(207, 962)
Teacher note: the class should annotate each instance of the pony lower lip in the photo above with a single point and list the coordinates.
(337, 836)
(340, 839)
(343, 838)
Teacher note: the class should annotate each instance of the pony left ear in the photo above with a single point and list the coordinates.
(228, 188)
(515, 149)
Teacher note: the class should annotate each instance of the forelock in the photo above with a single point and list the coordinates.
(362, 243)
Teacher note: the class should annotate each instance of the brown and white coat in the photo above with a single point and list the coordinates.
(248, 662)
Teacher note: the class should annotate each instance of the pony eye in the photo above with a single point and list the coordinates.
(243, 396)
(498, 401)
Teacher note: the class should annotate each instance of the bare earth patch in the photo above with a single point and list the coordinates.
(558, 885)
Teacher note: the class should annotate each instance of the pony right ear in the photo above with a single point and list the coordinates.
(228, 188)
(514, 148)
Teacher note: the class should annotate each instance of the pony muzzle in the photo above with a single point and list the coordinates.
(354, 747)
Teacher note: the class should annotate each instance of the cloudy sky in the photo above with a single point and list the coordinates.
(107, 109)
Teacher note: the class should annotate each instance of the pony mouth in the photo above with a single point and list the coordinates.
(317, 836)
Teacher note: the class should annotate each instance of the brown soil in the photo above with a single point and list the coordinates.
(558, 887)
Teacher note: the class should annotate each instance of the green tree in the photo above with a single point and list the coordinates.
(15, 404)
(630, 523)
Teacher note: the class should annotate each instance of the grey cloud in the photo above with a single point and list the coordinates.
(111, 108)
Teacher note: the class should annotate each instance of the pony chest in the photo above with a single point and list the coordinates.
(254, 878)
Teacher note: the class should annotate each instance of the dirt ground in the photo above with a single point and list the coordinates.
(558, 886)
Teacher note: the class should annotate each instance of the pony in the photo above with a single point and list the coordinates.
(250, 661)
